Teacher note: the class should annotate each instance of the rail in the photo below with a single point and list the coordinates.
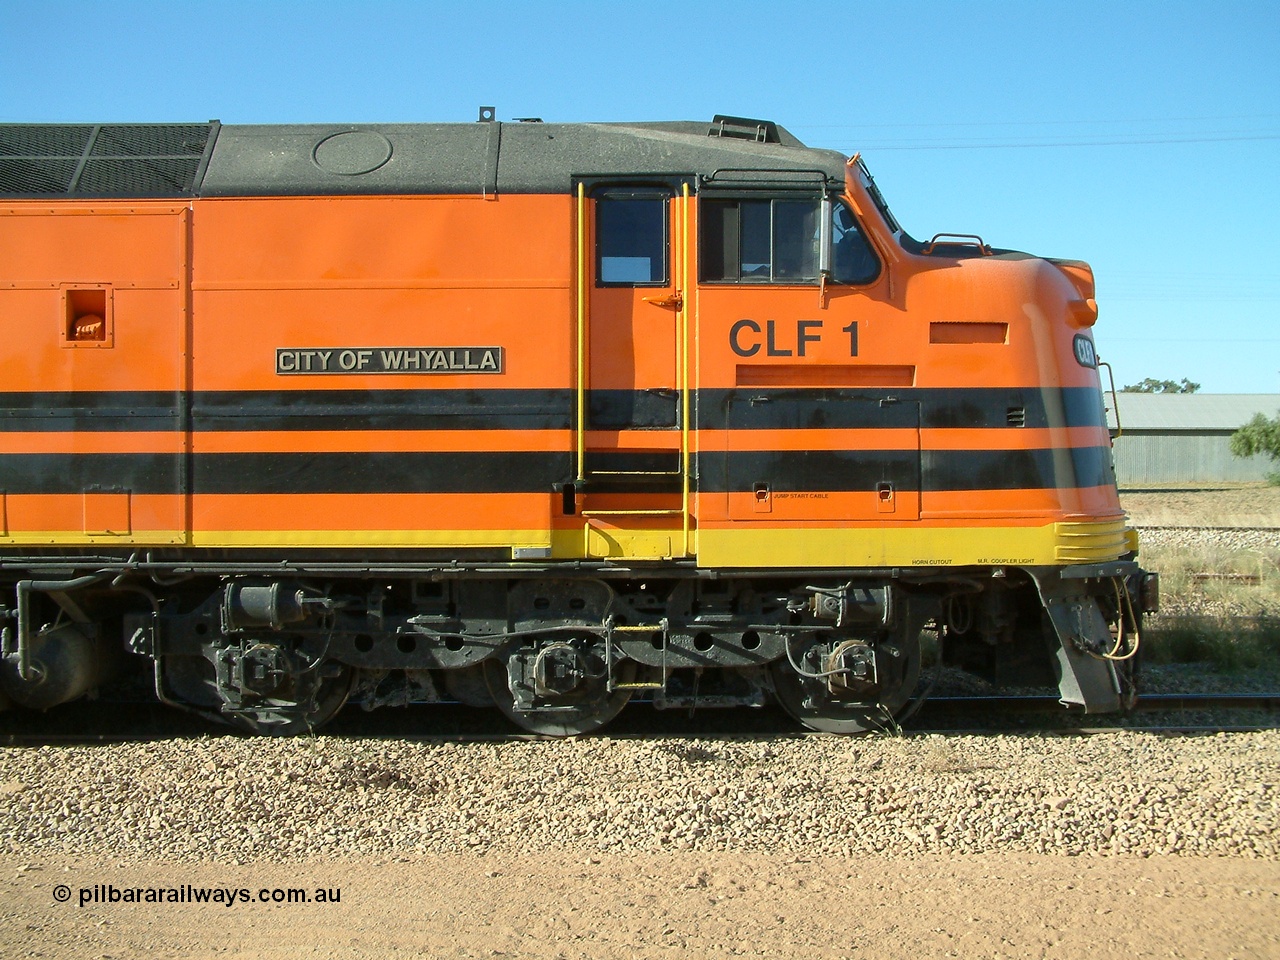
(682, 355)
(581, 381)
(125, 721)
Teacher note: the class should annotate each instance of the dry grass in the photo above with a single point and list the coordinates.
(1217, 606)
(1224, 505)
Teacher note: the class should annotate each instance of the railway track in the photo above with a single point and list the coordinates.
(1151, 703)
(1253, 537)
(103, 722)
(1165, 713)
(1204, 527)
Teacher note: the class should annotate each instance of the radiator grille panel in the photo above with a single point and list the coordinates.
(117, 160)
(49, 176)
(151, 140)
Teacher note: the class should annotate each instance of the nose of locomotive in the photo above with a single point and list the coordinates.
(1082, 312)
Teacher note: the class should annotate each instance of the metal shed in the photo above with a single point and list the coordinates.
(1185, 437)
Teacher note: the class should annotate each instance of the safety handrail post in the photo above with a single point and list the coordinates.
(682, 275)
(581, 385)
(683, 364)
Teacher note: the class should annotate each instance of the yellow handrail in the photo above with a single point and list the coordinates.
(582, 332)
(683, 354)
(630, 513)
(682, 274)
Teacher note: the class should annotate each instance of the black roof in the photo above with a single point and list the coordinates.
(213, 160)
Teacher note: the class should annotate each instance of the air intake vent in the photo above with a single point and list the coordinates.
(120, 160)
(1016, 416)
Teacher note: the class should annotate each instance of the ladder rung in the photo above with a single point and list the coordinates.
(631, 513)
(634, 473)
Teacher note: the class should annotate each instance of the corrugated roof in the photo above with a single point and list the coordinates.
(1191, 411)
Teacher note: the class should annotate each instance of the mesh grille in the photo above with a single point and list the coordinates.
(45, 176)
(141, 177)
(151, 140)
(122, 160)
(32, 141)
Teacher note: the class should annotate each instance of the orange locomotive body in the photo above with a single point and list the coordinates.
(535, 415)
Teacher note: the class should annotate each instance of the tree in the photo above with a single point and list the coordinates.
(1258, 436)
(1151, 385)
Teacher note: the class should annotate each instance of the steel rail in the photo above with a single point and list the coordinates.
(1147, 703)
(1190, 528)
(108, 722)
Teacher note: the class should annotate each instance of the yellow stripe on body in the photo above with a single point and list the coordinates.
(277, 539)
(913, 545)
(78, 538)
(382, 539)
(749, 545)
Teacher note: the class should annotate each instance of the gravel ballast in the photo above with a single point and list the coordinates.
(244, 800)
(1209, 538)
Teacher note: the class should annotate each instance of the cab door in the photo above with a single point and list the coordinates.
(633, 453)
(635, 302)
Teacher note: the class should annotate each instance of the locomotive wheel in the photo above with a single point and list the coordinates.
(468, 685)
(590, 709)
(818, 706)
(282, 717)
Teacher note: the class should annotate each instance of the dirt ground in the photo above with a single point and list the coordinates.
(673, 905)
(1229, 505)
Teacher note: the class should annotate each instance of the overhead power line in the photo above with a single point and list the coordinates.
(1032, 144)
(972, 124)
(1040, 134)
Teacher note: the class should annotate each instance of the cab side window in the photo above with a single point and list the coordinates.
(852, 261)
(631, 239)
(759, 241)
(776, 241)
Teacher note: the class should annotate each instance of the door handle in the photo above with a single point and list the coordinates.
(674, 300)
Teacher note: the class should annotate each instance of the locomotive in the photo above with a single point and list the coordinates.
(539, 416)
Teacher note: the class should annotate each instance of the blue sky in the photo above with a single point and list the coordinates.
(1142, 137)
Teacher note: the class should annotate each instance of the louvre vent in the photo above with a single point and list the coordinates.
(118, 160)
(1016, 416)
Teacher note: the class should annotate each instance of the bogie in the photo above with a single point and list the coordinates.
(563, 656)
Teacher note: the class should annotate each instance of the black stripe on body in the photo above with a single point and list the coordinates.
(543, 409)
(540, 471)
(930, 470)
(774, 408)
